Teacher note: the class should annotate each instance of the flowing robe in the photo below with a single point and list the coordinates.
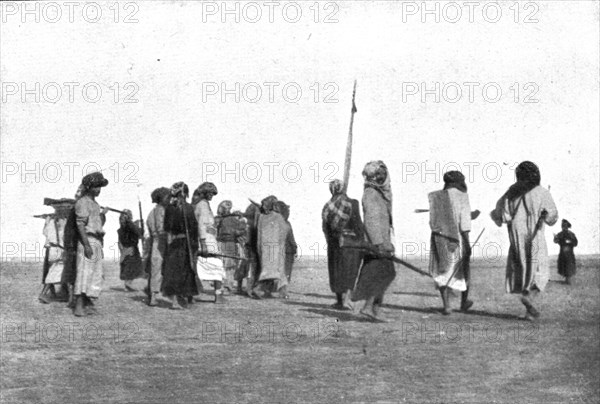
(567, 266)
(156, 245)
(271, 239)
(211, 268)
(376, 274)
(70, 241)
(54, 230)
(179, 277)
(527, 265)
(231, 232)
(450, 215)
(291, 249)
(130, 260)
(89, 270)
(343, 264)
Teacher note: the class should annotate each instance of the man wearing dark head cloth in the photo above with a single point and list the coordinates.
(341, 215)
(90, 220)
(130, 259)
(251, 267)
(450, 221)
(179, 278)
(231, 230)
(567, 241)
(156, 242)
(71, 240)
(525, 208)
(377, 273)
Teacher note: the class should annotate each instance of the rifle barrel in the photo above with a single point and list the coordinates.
(43, 216)
(113, 210)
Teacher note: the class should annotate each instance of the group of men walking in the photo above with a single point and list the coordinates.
(187, 245)
(365, 274)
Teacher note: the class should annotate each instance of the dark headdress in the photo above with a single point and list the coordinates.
(528, 177)
(203, 190)
(455, 179)
(224, 208)
(283, 209)
(127, 214)
(180, 189)
(336, 187)
(94, 180)
(268, 204)
(565, 222)
(158, 194)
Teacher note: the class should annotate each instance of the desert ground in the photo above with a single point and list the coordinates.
(301, 350)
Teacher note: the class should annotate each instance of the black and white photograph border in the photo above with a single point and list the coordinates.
(300, 201)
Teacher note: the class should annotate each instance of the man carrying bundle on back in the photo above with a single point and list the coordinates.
(54, 259)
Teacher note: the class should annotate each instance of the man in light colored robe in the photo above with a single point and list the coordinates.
(450, 221)
(526, 208)
(156, 243)
(272, 233)
(90, 220)
(209, 268)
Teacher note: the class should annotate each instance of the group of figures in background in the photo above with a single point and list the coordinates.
(187, 245)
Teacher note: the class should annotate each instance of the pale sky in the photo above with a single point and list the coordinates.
(180, 58)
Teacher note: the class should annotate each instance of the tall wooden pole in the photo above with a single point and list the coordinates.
(348, 159)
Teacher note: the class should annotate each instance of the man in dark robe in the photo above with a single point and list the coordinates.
(71, 239)
(341, 216)
(130, 259)
(567, 241)
(179, 277)
(251, 267)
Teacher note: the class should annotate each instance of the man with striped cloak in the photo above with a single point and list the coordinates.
(341, 216)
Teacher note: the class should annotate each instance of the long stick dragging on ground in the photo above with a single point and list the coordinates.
(459, 263)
